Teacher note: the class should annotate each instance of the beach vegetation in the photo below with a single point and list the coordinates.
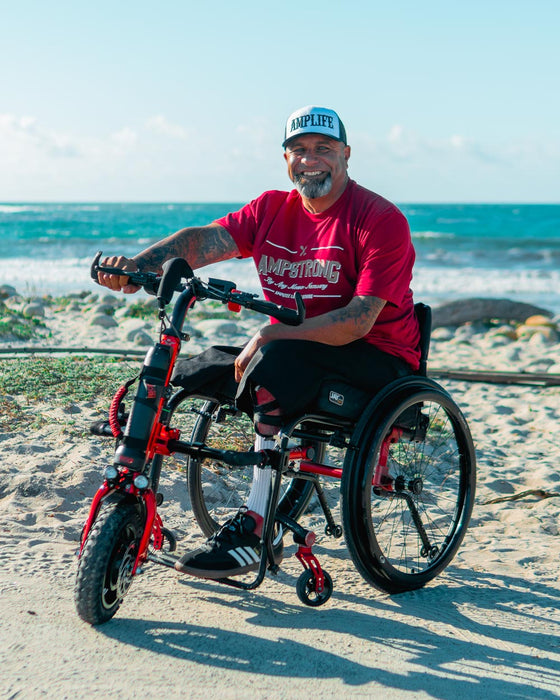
(15, 326)
(58, 382)
(145, 309)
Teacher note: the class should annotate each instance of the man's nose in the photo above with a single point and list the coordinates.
(309, 157)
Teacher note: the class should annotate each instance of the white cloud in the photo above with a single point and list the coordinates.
(160, 125)
(159, 160)
(22, 137)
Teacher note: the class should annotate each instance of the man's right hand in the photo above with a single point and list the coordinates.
(118, 283)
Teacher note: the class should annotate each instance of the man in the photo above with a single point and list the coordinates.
(348, 252)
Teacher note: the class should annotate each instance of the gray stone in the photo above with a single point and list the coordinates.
(142, 338)
(7, 291)
(103, 321)
(34, 310)
(464, 310)
(218, 326)
(107, 309)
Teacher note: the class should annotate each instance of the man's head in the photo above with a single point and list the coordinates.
(317, 155)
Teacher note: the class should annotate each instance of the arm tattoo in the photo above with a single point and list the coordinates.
(198, 245)
(361, 312)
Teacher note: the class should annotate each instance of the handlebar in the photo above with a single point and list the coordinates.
(174, 270)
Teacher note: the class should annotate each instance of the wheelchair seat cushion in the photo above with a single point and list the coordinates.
(210, 373)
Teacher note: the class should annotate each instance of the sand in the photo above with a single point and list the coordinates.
(488, 626)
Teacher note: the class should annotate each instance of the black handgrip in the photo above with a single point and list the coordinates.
(148, 280)
(291, 317)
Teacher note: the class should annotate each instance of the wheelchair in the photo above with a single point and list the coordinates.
(407, 476)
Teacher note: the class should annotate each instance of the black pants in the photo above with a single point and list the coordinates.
(292, 370)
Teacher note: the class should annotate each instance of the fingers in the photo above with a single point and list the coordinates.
(238, 370)
(118, 282)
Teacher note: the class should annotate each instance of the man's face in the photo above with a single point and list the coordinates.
(317, 165)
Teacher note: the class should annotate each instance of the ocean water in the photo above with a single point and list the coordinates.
(463, 250)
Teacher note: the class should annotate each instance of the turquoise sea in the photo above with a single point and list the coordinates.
(463, 250)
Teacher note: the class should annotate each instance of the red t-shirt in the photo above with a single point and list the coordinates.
(360, 246)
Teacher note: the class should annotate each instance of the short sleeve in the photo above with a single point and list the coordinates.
(385, 259)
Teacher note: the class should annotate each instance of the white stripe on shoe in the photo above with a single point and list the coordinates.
(244, 555)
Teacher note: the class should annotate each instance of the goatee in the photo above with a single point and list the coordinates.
(312, 189)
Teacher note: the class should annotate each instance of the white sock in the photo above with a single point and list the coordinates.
(260, 488)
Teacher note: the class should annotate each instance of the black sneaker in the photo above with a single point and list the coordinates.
(234, 550)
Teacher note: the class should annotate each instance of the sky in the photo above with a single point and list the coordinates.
(186, 101)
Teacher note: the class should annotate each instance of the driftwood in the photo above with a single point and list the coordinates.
(539, 493)
(480, 309)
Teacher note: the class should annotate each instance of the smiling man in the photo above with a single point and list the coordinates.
(349, 253)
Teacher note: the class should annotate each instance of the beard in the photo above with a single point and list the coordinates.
(313, 189)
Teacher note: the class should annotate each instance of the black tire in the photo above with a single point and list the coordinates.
(105, 566)
(307, 591)
(217, 490)
(404, 533)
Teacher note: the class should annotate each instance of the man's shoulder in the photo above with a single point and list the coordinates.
(372, 202)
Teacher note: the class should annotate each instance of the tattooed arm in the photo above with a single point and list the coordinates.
(337, 327)
(199, 245)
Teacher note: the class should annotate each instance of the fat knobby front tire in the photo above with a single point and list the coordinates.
(105, 566)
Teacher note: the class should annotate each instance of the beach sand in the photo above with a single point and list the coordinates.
(487, 626)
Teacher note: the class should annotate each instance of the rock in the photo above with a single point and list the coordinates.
(443, 333)
(465, 333)
(142, 338)
(110, 300)
(480, 309)
(546, 332)
(107, 309)
(540, 320)
(218, 326)
(104, 321)
(34, 310)
(542, 336)
(7, 291)
(191, 331)
(132, 327)
(505, 331)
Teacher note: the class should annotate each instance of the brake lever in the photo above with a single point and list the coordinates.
(95, 268)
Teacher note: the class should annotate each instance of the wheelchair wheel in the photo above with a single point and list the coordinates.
(218, 490)
(408, 490)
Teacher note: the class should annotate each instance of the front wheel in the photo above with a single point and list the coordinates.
(105, 566)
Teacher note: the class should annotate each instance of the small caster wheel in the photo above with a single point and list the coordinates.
(169, 539)
(305, 588)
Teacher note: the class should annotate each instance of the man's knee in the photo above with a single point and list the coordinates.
(267, 412)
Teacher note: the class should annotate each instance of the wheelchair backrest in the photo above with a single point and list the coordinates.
(424, 315)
